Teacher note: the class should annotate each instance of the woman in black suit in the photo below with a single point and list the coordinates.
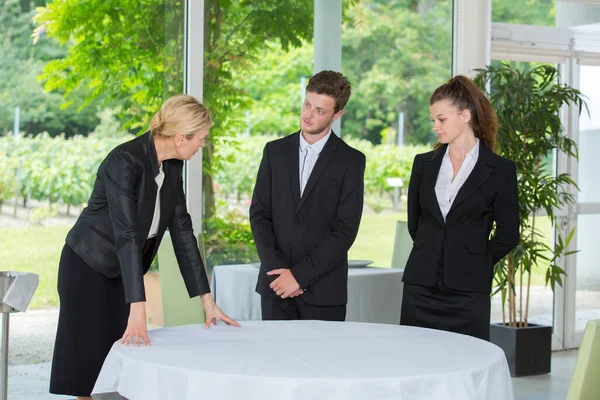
(138, 193)
(456, 194)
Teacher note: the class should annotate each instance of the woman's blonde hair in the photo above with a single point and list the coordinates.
(180, 114)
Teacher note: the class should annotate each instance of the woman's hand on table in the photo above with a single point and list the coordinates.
(136, 325)
(212, 312)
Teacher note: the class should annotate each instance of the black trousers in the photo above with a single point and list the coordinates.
(296, 309)
(92, 316)
(443, 308)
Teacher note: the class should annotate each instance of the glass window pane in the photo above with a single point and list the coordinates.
(395, 54)
(589, 136)
(394, 63)
(549, 13)
(587, 298)
(82, 79)
(576, 14)
(541, 298)
(529, 12)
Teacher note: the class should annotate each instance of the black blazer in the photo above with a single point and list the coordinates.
(310, 235)
(112, 230)
(462, 244)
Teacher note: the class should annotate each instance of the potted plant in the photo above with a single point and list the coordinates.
(528, 105)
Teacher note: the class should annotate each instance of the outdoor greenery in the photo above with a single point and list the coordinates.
(54, 169)
(526, 12)
(147, 36)
(24, 52)
(130, 53)
(35, 250)
(395, 53)
(228, 240)
(62, 170)
(101, 69)
(240, 165)
(375, 242)
(528, 104)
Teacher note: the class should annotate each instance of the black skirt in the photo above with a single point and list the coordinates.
(440, 307)
(93, 315)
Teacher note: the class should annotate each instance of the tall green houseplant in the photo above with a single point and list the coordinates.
(528, 105)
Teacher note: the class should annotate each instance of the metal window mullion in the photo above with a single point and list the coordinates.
(193, 85)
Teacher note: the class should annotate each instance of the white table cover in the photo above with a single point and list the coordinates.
(306, 360)
(374, 294)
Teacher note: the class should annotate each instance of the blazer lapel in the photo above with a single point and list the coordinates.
(431, 171)
(166, 196)
(151, 189)
(292, 155)
(481, 171)
(324, 159)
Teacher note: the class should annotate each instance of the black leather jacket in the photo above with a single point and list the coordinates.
(112, 230)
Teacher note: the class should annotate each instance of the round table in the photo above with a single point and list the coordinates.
(306, 360)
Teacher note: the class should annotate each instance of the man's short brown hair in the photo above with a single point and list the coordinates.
(331, 83)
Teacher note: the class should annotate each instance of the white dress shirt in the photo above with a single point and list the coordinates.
(309, 153)
(446, 188)
(159, 179)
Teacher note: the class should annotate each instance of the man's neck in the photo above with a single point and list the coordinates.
(314, 138)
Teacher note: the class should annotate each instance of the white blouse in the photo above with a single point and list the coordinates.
(446, 188)
(159, 179)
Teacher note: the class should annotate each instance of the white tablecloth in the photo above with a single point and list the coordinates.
(306, 360)
(374, 294)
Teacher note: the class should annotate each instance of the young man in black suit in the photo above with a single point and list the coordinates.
(306, 209)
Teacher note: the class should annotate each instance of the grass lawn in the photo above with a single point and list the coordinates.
(35, 250)
(38, 250)
(375, 240)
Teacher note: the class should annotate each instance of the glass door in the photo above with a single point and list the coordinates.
(583, 282)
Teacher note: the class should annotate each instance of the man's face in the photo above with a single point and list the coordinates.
(317, 113)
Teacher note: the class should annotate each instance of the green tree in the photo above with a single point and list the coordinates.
(528, 12)
(22, 59)
(129, 51)
(237, 34)
(275, 89)
(395, 53)
(132, 49)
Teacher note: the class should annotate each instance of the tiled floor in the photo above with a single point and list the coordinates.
(552, 386)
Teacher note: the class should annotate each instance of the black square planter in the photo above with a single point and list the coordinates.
(528, 350)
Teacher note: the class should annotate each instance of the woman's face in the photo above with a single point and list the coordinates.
(449, 123)
(186, 148)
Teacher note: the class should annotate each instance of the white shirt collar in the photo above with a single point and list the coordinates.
(160, 177)
(316, 146)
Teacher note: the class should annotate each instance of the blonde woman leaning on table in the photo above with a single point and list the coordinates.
(137, 195)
